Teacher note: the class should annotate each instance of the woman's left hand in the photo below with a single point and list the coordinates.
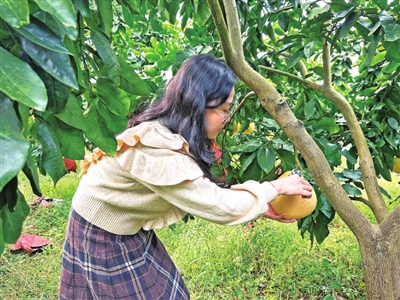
(271, 214)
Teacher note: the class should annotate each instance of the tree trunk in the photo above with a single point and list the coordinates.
(377, 265)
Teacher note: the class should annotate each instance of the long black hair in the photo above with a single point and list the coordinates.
(200, 80)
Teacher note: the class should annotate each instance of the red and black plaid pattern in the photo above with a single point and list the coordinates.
(100, 265)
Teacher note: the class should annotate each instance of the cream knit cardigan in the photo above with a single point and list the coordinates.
(152, 182)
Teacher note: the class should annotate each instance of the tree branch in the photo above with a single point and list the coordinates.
(326, 63)
(235, 33)
(390, 227)
(221, 26)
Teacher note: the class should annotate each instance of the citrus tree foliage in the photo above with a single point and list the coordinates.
(72, 70)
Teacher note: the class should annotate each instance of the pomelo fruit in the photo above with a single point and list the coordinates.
(294, 206)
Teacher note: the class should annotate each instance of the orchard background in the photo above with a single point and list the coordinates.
(318, 80)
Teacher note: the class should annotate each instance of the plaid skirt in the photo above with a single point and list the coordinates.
(97, 264)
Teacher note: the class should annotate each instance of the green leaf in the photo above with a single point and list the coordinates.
(393, 123)
(246, 160)
(57, 92)
(250, 146)
(331, 151)
(72, 113)
(14, 147)
(309, 109)
(348, 23)
(283, 21)
(115, 122)
(20, 82)
(82, 6)
(115, 99)
(131, 82)
(31, 172)
(40, 34)
(72, 143)
(351, 190)
(97, 131)
(132, 6)
(9, 193)
(106, 15)
(352, 174)
(392, 50)
(108, 56)
(373, 44)
(61, 10)
(55, 63)
(308, 49)
(55, 24)
(15, 13)
(287, 159)
(52, 160)
(392, 32)
(252, 172)
(11, 221)
(328, 125)
(266, 158)
(295, 58)
(320, 229)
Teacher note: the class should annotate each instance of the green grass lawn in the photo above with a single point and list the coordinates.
(270, 261)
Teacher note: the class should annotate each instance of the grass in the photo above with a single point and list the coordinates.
(270, 261)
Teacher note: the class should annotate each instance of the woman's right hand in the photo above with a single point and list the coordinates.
(292, 185)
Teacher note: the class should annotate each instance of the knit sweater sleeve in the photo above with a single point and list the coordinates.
(171, 173)
(200, 197)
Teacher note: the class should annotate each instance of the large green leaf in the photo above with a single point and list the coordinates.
(56, 63)
(61, 10)
(115, 122)
(106, 15)
(245, 160)
(115, 99)
(97, 131)
(15, 13)
(266, 158)
(392, 50)
(132, 5)
(52, 160)
(72, 143)
(20, 82)
(55, 24)
(11, 222)
(57, 92)
(108, 56)
(14, 147)
(131, 81)
(72, 113)
(40, 34)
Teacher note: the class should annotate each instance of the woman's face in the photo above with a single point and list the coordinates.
(217, 118)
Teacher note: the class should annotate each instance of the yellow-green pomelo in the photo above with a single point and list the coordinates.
(295, 207)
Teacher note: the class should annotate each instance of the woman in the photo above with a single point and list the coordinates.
(159, 173)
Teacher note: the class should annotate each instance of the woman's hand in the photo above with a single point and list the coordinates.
(271, 214)
(293, 185)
